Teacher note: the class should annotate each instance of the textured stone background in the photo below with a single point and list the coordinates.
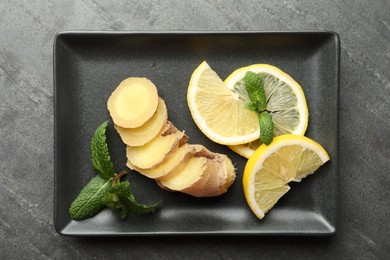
(27, 30)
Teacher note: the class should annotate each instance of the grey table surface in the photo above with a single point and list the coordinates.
(27, 30)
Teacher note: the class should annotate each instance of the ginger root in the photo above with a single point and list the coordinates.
(158, 150)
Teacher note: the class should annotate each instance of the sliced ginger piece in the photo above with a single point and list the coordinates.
(185, 177)
(201, 188)
(206, 174)
(230, 176)
(209, 187)
(218, 177)
(158, 150)
(178, 158)
(146, 132)
(133, 102)
(222, 175)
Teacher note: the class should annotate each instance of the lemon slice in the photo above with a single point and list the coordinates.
(218, 111)
(270, 169)
(247, 149)
(286, 101)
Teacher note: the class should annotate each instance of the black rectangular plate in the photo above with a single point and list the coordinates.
(89, 65)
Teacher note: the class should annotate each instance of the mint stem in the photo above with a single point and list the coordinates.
(119, 176)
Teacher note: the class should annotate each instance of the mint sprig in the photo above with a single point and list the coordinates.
(255, 87)
(106, 189)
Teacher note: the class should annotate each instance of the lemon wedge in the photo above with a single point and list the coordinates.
(270, 169)
(218, 111)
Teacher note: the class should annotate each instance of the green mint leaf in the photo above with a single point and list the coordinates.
(90, 200)
(266, 127)
(251, 106)
(255, 88)
(122, 189)
(120, 198)
(134, 207)
(100, 157)
(114, 202)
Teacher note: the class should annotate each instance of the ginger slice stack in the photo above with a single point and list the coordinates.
(158, 150)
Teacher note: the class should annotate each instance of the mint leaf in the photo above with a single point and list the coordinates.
(89, 202)
(121, 199)
(251, 106)
(100, 157)
(134, 207)
(122, 189)
(255, 88)
(266, 127)
(112, 201)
